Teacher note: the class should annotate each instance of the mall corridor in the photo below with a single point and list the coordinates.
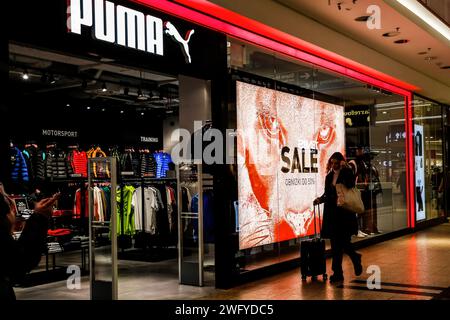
(412, 267)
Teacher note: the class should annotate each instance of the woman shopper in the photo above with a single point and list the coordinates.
(339, 224)
(20, 256)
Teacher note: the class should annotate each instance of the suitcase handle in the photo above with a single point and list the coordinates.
(320, 227)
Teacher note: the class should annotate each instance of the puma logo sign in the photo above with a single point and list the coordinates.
(184, 43)
(124, 26)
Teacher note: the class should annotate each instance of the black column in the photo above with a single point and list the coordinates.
(225, 246)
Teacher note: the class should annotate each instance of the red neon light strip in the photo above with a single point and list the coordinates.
(287, 39)
(221, 26)
(262, 35)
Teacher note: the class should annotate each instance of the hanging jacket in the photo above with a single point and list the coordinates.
(40, 165)
(35, 160)
(99, 171)
(162, 163)
(114, 152)
(129, 162)
(78, 162)
(148, 165)
(29, 153)
(19, 166)
(56, 164)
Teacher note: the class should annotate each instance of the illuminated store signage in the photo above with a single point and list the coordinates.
(284, 143)
(126, 27)
(149, 139)
(59, 133)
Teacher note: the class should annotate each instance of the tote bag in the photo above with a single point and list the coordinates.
(349, 199)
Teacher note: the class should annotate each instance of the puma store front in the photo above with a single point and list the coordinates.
(97, 92)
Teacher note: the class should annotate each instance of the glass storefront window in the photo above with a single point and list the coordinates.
(429, 156)
(302, 104)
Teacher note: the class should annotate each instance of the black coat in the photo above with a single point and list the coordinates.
(337, 222)
(21, 256)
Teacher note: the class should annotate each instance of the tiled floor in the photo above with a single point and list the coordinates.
(409, 266)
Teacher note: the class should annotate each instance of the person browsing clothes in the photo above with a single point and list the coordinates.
(339, 224)
(21, 256)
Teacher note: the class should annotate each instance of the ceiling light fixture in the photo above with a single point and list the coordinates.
(429, 18)
(392, 33)
(25, 75)
(401, 41)
(424, 52)
(104, 87)
(363, 18)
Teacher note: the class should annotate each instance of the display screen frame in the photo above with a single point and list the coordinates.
(280, 231)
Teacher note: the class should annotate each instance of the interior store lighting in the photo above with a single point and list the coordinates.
(25, 75)
(428, 17)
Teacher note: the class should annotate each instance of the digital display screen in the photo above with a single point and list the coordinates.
(284, 142)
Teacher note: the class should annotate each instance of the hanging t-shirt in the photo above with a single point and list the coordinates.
(125, 220)
(146, 213)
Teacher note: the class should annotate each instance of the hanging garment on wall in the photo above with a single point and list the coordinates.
(40, 165)
(162, 220)
(56, 163)
(171, 210)
(99, 170)
(146, 212)
(81, 203)
(208, 215)
(129, 162)
(78, 162)
(19, 171)
(125, 218)
(186, 199)
(99, 205)
(29, 154)
(162, 163)
(35, 160)
(148, 165)
(107, 198)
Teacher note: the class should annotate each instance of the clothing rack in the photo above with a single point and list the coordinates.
(142, 181)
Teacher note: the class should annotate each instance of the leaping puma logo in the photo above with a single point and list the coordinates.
(184, 43)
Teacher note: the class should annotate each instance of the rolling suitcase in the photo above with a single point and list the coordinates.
(312, 252)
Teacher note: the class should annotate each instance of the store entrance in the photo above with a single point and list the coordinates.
(65, 110)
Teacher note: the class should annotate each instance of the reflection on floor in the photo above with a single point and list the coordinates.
(412, 267)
